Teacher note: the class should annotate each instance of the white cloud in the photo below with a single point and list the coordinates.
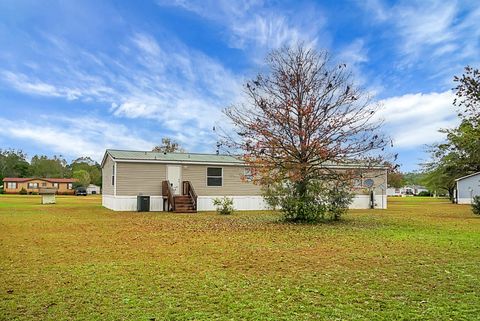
(84, 136)
(430, 28)
(146, 43)
(22, 83)
(413, 120)
(181, 89)
(256, 28)
(426, 25)
(354, 53)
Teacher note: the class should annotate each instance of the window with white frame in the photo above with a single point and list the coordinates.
(214, 176)
(248, 174)
(69, 186)
(55, 185)
(357, 182)
(12, 185)
(32, 185)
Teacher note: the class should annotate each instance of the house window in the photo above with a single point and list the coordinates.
(12, 185)
(248, 175)
(113, 174)
(357, 182)
(69, 186)
(55, 185)
(32, 185)
(214, 176)
(44, 184)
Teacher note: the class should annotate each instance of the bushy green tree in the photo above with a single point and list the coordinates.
(43, 166)
(13, 163)
(459, 155)
(476, 205)
(395, 179)
(89, 165)
(82, 176)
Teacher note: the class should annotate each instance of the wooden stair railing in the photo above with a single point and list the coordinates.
(168, 192)
(188, 190)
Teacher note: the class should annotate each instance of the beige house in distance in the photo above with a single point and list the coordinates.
(13, 185)
(188, 182)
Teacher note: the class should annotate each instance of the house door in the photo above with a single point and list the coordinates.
(174, 176)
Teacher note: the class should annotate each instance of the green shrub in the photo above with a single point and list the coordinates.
(476, 205)
(424, 193)
(338, 200)
(23, 191)
(223, 205)
(320, 202)
(307, 209)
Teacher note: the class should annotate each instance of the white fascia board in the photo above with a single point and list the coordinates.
(459, 179)
(119, 160)
(232, 164)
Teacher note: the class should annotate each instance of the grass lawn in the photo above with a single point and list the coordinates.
(418, 260)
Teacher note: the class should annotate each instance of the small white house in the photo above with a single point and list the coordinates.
(93, 189)
(406, 190)
(467, 188)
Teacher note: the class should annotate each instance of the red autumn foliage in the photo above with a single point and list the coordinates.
(301, 117)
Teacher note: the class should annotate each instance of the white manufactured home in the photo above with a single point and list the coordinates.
(188, 182)
(467, 188)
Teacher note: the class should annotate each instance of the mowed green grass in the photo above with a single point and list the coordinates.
(418, 260)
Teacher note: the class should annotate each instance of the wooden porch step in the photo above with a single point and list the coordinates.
(184, 211)
(184, 204)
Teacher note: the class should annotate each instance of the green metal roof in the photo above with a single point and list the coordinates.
(130, 155)
(173, 157)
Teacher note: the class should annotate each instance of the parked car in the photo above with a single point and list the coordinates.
(81, 191)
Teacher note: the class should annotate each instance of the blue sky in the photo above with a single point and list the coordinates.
(77, 77)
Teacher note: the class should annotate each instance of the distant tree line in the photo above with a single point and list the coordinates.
(14, 163)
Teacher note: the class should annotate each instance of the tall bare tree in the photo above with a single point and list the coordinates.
(302, 116)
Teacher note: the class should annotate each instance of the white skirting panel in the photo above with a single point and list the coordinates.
(466, 200)
(245, 203)
(363, 202)
(129, 203)
(241, 203)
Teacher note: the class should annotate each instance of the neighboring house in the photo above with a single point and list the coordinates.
(394, 191)
(194, 180)
(406, 190)
(13, 185)
(467, 188)
(93, 189)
